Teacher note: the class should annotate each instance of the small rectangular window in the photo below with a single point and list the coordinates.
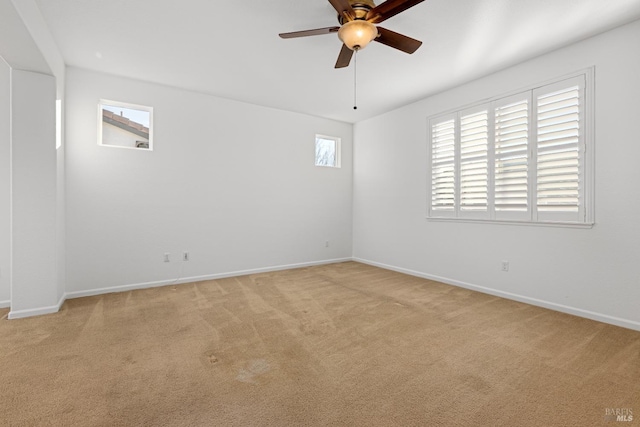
(125, 125)
(327, 151)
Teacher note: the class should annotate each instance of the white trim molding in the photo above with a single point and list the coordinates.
(625, 323)
(21, 314)
(192, 279)
(604, 318)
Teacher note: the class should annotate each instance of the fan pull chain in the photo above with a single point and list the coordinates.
(355, 80)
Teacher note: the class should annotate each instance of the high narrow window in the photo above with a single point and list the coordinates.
(327, 151)
(520, 158)
(125, 125)
(58, 123)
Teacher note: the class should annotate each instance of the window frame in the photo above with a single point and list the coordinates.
(127, 105)
(585, 218)
(338, 151)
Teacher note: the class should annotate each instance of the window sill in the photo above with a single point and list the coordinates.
(586, 225)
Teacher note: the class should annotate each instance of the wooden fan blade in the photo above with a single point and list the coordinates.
(397, 40)
(390, 8)
(306, 33)
(343, 7)
(345, 57)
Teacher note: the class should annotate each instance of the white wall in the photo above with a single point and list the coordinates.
(40, 35)
(33, 193)
(37, 190)
(232, 183)
(61, 209)
(592, 272)
(5, 185)
(17, 45)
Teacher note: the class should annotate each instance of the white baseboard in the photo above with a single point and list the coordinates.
(604, 318)
(5, 304)
(131, 287)
(20, 314)
(625, 323)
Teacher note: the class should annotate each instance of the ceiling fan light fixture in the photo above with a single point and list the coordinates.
(357, 34)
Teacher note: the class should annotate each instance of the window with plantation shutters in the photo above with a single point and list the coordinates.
(521, 158)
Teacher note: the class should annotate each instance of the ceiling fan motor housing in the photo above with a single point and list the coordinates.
(360, 7)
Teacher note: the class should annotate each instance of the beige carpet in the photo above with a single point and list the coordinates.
(337, 345)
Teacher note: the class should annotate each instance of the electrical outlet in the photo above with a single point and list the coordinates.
(185, 256)
(505, 265)
(326, 244)
(166, 257)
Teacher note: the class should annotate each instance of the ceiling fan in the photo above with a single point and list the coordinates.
(358, 19)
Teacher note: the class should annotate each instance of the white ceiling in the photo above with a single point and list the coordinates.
(232, 49)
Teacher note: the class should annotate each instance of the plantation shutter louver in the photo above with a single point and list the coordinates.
(511, 164)
(559, 152)
(474, 170)
(443, 165)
